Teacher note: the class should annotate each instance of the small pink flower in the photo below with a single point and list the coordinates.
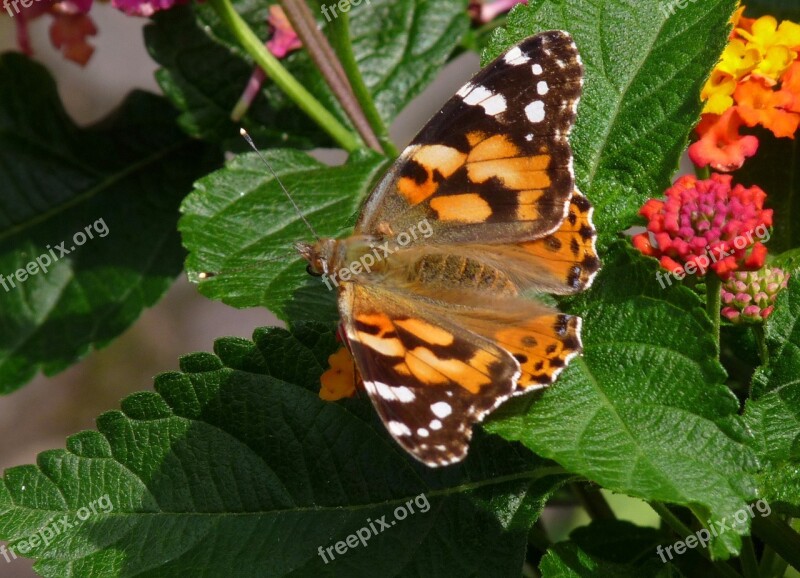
(145, 8)
(69, 30)
(283, 41)
(706, 223)
(720, 145)
(483, 11)
(749, 297)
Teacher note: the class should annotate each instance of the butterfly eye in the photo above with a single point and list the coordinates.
(311, 272)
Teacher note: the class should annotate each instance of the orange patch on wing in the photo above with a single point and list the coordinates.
(380, 341)
(466, 208)
(473, 138)
(413, 192)
(570, 250)
(426, 332)
(543, 346)
(496, 147)
(442, 159)
(471, 375)
(527, 204)
(516, 173)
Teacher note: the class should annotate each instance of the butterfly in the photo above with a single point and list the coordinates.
(480, 207)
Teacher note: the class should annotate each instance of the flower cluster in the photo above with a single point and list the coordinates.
(72, 26)
(756, 83)
(707, 223)
(749, 297)
(341, 380)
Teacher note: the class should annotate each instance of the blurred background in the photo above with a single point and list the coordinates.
(43, 413)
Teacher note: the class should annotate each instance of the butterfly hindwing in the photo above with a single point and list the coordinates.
(429, 380)
(495, 162)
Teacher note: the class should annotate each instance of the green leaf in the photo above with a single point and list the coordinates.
(789, 261)
(568, 560)
(239, 225)
(774, 169)
(120, 182)
(400, 47)
(644, 73)
(234, 467)
(644, 411)
(774, 411)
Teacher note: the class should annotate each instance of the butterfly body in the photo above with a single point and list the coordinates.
(480, 208)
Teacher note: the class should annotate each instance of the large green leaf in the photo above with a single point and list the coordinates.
(239, 225)
(644, 411)
(109, 194)
(774, 412)
(399, 46)
(235, 467)
(644, 73)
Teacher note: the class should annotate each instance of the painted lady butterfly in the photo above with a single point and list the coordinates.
(438, 328)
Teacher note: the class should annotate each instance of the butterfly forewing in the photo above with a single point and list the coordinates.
(495, 163)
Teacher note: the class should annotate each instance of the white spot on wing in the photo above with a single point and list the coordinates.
(404, 394)
(441, 409)
(542, 88)
(477, 94)
(494, 105)
(464, 90)
(535, 111)
(529, 137)
(398, 428)
(537, 69)
(436, 425)
(422, 432)
(515, 57)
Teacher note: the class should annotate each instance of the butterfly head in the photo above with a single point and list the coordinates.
(319, 255)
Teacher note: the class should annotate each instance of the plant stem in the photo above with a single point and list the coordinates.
(593, 501)
(318, 47)
(340, 35)
(671, 519)
(768, 558)
(748, 559)
(682, 530)
(780, 537)
(281, 77)
(761, 342)
(702, 172)
(713, 300)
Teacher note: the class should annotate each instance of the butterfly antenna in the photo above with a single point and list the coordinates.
(277, 178)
